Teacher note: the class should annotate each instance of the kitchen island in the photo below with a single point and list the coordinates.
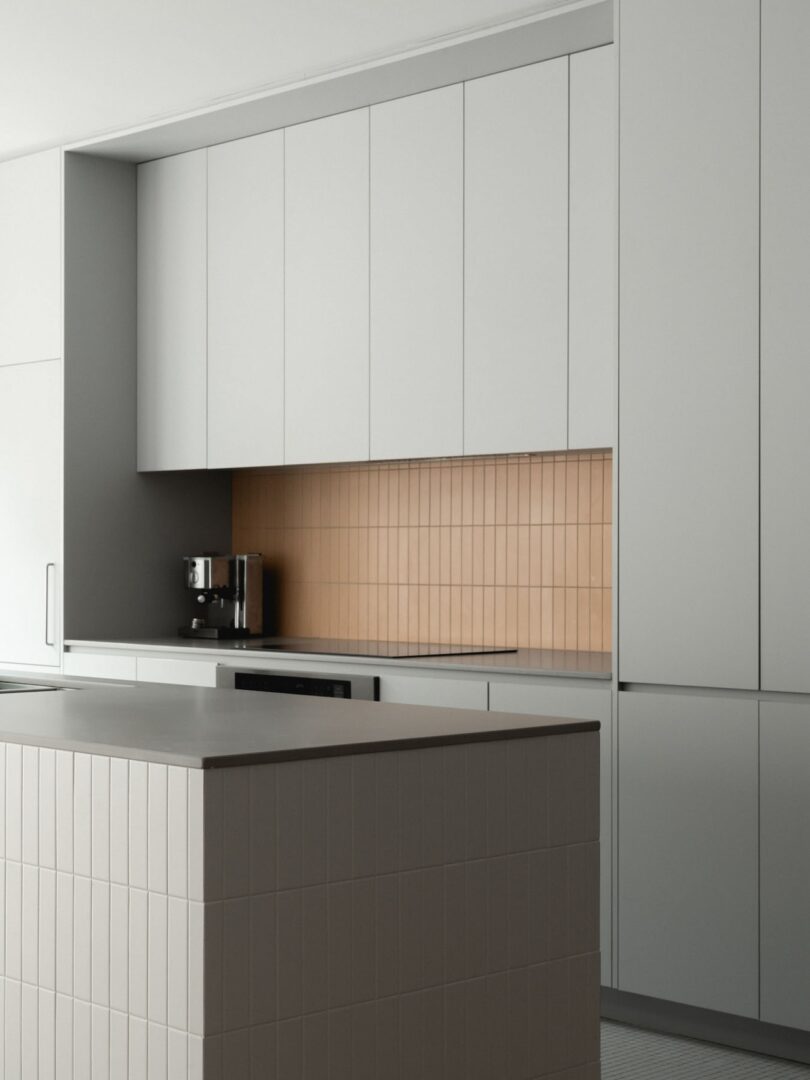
(218, 884)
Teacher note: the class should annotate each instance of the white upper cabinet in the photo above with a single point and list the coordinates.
(327, 289)
(31, 258)
(785, 345)
(172, 270)
(689, 353)
(31, 498)
(417, 275)
(593, 332)
(246, 302)
(516, 260)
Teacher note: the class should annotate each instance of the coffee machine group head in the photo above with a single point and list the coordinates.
(227, 592)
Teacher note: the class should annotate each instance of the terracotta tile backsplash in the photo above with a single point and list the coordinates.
(512, 551)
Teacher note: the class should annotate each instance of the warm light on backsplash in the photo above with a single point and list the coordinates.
(512, 551)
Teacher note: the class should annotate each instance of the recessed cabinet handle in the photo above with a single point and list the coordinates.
(48, 567)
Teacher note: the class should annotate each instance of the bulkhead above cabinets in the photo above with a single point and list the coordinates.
(430, 276)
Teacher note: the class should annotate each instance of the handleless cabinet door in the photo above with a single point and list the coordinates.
(31, 258)
(30, 497)
(172, 268)
(516, 260)
(688, 850)
(417, 275)
(689, 343)
(593, 322)
(785, 344)
(327, 289)
(785, 863)
(246, 302)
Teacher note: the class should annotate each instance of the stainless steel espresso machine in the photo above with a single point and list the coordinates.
(228, 595)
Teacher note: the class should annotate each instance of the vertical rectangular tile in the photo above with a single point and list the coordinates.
(236, 1053)
(235, 964)
(64, 1037)
(339, 793)
(195, 1058)
(29, 1049)
(411, 822)
(313, 822)
(137, 1049)
(386, 926)
(497, 915)
(411, 932)
(177, 831)
(119, 821)
(47, 929)
(290, 824)
(290, 1044)
(14, 920)
(157, 973)
(212, 955)
(340, 944)
(236, 832)
(314, 949)
(197, 975)
(262, 1053)
(262, 828)
(47, 1035)
(47, 808)
(30, 924)
(157, 1052)
(82, 799)
(158, 828)
(363, 941)
(138, 824)
(455, 809)
(100, 931)
(477, 762)
(30, 805)
(64, 934)
(519, 909)
(119, 948)
(12, 1042)
(177, 1003)
(262, 959)
(100, 821)
(212, 831)
(100, 1042)
(14, 807)
(288, 906)
(387, 813)
(82, 1040)
(196, 839)
(476, 918)
(82, 906)
(64, 811)
(496, 798)
(177, 1054)
(119, 1048)
(138, 952)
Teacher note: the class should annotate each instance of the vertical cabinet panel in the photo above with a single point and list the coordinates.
(327, 289)
(172, 270)
(688, 858)
(785, 344)
(516, 260)
(417, 253)
(689, 238)
(31, 258)
(30, 497)
(592, 335)
(785, 864)
(246, 302)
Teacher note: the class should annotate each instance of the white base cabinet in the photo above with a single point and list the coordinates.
(31, 499)
(688, 850)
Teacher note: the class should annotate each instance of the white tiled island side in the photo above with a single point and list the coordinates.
(222, 885)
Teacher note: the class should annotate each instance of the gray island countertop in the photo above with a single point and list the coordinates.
(201, 728)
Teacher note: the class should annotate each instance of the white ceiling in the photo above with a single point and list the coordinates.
(74, 69)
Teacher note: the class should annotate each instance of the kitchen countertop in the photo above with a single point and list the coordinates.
(199, 728)
(547, 662)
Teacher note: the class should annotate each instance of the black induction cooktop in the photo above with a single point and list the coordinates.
(385, 650)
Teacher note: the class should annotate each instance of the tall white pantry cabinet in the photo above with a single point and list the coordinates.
(31, 347)
(714, 588)
(430, 276)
